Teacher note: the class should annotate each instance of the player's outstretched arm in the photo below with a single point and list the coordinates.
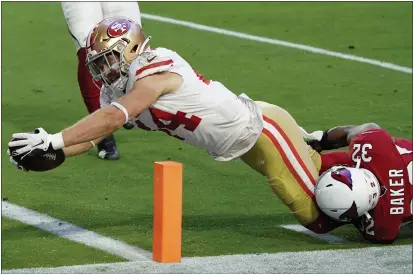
(340, 136)
(103, 121)
(109, 118)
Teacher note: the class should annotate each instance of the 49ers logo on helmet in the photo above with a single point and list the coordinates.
(118, 28)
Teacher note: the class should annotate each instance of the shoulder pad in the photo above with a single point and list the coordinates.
(150, 62)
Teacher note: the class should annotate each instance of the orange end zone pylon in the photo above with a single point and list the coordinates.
(167, 212)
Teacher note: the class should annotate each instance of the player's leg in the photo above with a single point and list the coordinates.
(125, 9)
(283, 157)
(315, 157)
(81, 17)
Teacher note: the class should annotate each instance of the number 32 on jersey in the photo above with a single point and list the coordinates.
(363, 150)
(361, 154)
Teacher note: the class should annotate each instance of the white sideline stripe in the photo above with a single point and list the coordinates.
(387, 259)
(326, 237)
(277, 42)
(290, 155)
(73, 233)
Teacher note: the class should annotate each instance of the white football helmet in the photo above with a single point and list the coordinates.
(346, 193)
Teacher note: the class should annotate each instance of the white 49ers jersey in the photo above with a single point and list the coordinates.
(201, 112)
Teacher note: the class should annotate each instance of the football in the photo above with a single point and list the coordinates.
(39, 160)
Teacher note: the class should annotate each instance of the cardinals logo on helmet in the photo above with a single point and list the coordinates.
(343, 175)
(350, 214)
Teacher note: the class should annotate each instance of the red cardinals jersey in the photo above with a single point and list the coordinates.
(390, 159)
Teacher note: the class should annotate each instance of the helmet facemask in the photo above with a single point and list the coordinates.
(110, 67)
(112, 46)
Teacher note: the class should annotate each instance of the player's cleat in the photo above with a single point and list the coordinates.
(107, 149)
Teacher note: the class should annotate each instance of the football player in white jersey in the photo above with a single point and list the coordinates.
(156, 89)
(80, 18)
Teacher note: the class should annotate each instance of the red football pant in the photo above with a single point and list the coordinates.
(90, 92)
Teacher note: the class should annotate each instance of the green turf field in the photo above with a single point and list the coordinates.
(227, 207)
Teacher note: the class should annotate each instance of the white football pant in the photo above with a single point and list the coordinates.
(81, 17)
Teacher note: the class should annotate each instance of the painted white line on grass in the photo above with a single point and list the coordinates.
(74, 233)
(326, 237)
(387, 259)
(277, 42)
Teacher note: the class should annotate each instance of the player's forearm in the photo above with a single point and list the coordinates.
(80, 148)
(100, 123)
(340, 136)
(337, 136)
(344, 134)
(355, 130)
(77, 149)
(331, 139)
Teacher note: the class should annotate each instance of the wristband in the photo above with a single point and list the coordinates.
(327, 144)
(122, 108)
(57, 140)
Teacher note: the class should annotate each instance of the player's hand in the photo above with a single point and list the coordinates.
(16, 164)
(28, 142)
(316, 145)
(314, 139)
